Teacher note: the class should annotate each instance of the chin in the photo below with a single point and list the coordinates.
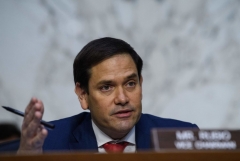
(124, 126)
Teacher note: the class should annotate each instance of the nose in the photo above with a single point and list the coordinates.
(121, 97)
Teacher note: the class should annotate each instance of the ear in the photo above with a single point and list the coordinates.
(82, 96)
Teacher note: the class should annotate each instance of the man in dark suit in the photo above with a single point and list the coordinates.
(108, 82)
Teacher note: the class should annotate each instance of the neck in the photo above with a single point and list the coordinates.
(113, 134)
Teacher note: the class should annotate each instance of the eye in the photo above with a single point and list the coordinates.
(131, 84)
(105, 88)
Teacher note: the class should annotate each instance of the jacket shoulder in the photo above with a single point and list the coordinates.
(69, 122)
(160, 122)
(62, 134)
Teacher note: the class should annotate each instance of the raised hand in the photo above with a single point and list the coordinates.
(33, 133)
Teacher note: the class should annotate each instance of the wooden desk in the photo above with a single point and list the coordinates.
(141, 156)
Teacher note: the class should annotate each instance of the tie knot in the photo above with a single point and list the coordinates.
(115, 147)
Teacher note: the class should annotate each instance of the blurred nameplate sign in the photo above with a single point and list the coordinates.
(194, 139)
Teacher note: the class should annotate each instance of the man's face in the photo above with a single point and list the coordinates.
(115, 95)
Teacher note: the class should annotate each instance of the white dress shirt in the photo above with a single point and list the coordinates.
(102, 138)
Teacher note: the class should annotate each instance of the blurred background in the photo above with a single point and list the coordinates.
(190, 49)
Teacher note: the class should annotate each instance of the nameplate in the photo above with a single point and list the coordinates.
(185, 139)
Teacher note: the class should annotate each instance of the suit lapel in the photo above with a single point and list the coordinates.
(142, 134)
(85, 137)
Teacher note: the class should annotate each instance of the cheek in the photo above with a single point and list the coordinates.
(100, 105)
(137, 97)
(137, 102)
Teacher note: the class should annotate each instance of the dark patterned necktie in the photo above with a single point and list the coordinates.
(115, 147)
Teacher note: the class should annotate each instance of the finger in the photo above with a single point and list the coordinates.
(28, 112)
(38, 140)
(33, 126)
(41, 105)
(38, 106)
(30, 104)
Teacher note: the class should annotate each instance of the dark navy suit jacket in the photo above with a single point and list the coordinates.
(76, 133)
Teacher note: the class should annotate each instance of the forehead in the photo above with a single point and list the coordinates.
(116, 66)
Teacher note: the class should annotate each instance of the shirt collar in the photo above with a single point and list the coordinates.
(102, 138)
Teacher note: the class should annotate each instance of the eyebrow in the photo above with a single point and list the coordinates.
(131, 76)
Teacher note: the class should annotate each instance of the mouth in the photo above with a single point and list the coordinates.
(123, 113)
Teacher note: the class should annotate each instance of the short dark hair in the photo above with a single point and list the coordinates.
(95, 52)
